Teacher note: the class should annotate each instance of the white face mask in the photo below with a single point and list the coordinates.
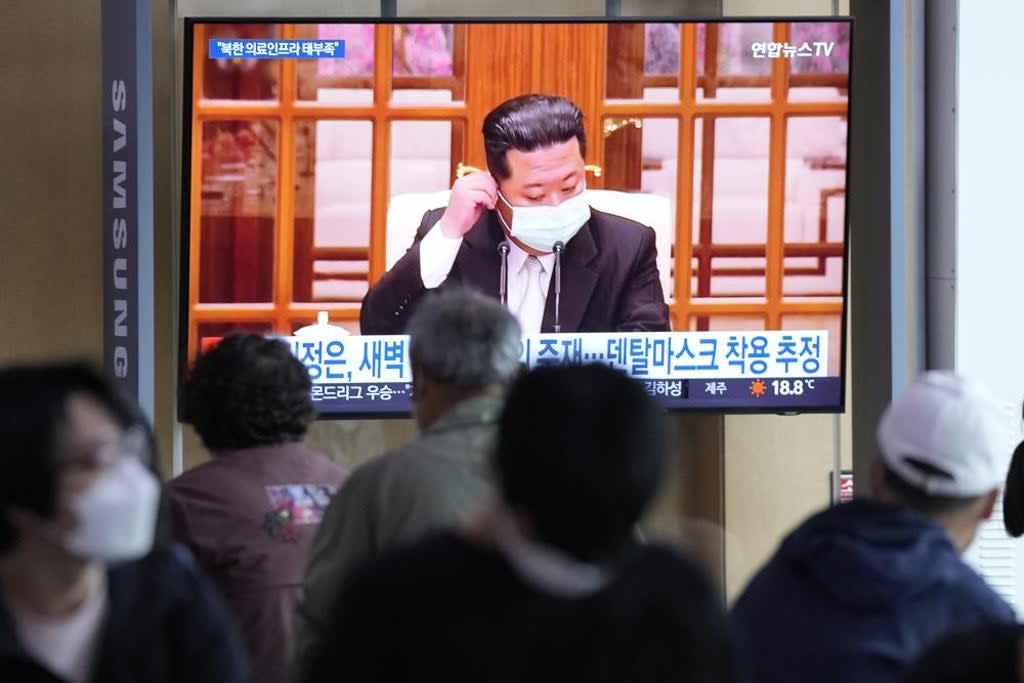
(117, 514)
(541, 227)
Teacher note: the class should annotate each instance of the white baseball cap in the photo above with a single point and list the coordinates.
(946, 436)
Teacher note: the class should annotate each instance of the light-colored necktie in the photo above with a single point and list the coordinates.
(531, 308)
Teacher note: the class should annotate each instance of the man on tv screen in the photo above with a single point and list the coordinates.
(524, 233)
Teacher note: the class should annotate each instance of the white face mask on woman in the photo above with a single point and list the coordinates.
(117, 513)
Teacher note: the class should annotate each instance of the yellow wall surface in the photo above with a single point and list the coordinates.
(50, 240)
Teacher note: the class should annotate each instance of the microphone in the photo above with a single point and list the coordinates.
(503, 276)
(559, 249)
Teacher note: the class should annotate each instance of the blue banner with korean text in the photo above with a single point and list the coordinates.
(259, 48)
(371, 374)
(644, 355)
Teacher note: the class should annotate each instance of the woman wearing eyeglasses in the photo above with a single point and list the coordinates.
(84, 596)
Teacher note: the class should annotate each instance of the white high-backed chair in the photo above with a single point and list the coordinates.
(406, 211)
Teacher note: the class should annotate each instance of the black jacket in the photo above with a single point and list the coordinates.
(164, 624)
(857, 593)
(447, 610)
(610, 279)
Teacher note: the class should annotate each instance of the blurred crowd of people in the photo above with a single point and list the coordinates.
(500, 545)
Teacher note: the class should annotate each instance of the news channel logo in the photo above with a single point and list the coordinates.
(774, 50)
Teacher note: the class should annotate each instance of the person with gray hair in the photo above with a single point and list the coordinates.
(461, 346)
(464, 351)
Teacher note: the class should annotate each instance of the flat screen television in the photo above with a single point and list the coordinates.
(711, 260)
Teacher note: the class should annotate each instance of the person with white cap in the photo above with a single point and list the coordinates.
(860, 590)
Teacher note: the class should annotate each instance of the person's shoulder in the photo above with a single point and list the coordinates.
(203, 477)
(408, 584)
(197, 472)
(978, 597)
(384, 470)
(616, 232)
(167, 574)
(419, 474)
(174, 560)
(764, 592)
(656, 560)
(435, 558)
(166, 594)
(424, 455)
(437, 548)
(385, 464)
(320, 464)
(438, 464)
(619, 226)
(671, 587)
(465, 442)
(364, 477)
(429, 219)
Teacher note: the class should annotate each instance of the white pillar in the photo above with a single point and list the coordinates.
(989, 276)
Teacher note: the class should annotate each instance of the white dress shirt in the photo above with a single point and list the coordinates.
(437, 256)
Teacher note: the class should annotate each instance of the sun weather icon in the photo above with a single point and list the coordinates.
(758, 388)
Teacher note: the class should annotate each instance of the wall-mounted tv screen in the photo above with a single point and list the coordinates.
(666, 197)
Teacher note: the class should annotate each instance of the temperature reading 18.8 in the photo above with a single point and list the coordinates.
(796, 387)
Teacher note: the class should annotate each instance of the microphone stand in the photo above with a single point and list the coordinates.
(559, 248)
(503, 276)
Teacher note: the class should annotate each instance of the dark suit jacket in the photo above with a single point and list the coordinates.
(610, 278)
(165, 623)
